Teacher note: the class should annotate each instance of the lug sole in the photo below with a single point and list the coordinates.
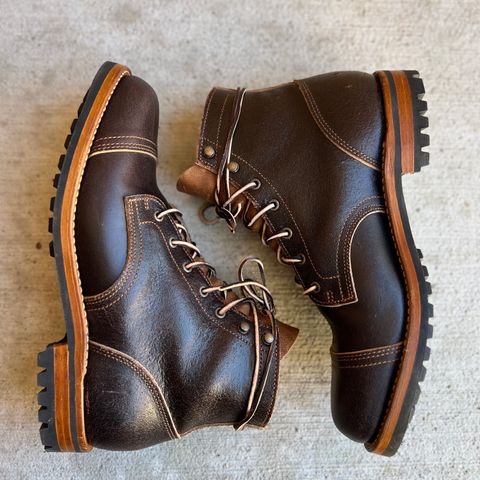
(403, 153)
(64, 362)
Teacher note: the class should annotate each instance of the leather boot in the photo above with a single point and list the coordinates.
(315, 166)
(156, 346)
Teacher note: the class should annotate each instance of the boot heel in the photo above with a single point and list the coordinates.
(405, 91)
(54, 398)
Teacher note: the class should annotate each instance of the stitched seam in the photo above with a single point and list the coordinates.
(131, 257)
(367, 364)
(287, 208)
(347, 254)
(217, 294)
(140, 370)
(75, 204)
(204, 123)
(327, 129)
(359, 359)
(369, 352)
(155, 224)
(122, 144)
(274, 388)
(114, 299)
(220, 120)
(127, 136)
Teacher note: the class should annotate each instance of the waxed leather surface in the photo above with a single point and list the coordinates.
(161, 363)
(316, 147)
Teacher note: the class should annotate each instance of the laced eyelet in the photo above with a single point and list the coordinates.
(170, 242)
(203, 293)
(218, 314)
(275, 204)
(157, 216)
(257, 185)
(302, 259)
(289, 231)
(186, 268)
(317, 287)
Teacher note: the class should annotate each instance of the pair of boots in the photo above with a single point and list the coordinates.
(156, 345)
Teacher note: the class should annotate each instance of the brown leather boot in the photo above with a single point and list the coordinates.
(156, 345)
(316, 167)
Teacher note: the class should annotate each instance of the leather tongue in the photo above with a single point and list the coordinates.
(199, 182)
(288, 335)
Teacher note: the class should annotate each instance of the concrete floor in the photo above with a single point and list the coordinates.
(49, 52)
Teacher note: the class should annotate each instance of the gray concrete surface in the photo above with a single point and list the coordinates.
(49, 52)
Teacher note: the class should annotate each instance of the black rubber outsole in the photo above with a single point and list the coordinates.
(421, 160)
(45, 379)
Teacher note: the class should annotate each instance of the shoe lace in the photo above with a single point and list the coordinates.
(230, 209)
(246, 291)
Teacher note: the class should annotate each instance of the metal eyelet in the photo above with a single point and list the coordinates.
(268, 338)
(244, 327)
(257, 185)
(157, 216)
(170, 242)
(203, 293)
(233, 166)
(317, 287)
(289, 231)
(218, 314)
(302, 259)
(209, 151)
(275, 204)
(185, 268)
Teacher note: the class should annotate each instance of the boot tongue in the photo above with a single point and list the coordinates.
(199, 182)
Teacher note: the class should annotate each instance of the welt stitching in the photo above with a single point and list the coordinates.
(325, 126)
(126, 136)
(367, 364)
(407, 328)
(190, 286)
(113, 298)
(288, 209)
(131, 257)
(151, 387)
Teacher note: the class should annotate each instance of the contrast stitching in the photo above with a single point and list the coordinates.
(220, 120)
(112, 295)
(204, 122)
(329, 132)
(289, 211)
(367, 364)
(367, 352)
(358, 217)
(190, 286)
(131, 258)
(148, 379)
(127, 136)
(124, 144)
